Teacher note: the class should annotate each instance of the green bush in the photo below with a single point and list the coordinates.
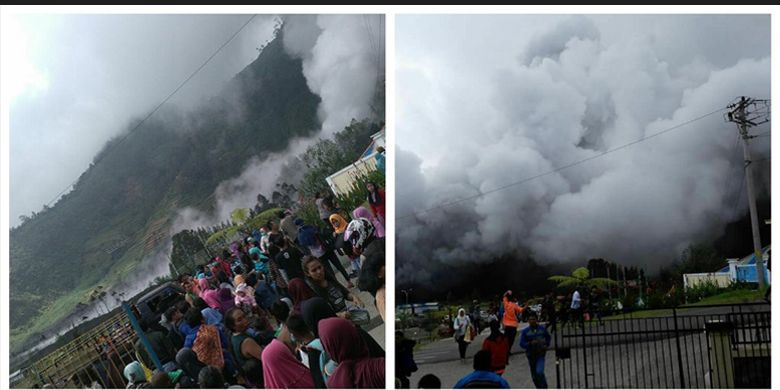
(702, 290)
(738, 285)
(359, 194)
(656, 299)
(630, 301)
(675, 298)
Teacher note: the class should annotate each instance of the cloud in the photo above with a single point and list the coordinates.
(93, 74)
(579, 91)
(339, 54)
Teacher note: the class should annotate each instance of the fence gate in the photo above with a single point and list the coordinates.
(723, 346)
(98, 356)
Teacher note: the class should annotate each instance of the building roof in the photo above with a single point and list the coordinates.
(749, 259)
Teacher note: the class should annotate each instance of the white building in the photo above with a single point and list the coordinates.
(343, 181)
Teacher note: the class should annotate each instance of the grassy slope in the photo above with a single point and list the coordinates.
(78, 229)
(726, 298)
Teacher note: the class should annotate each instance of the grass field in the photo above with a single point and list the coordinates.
(726, 298)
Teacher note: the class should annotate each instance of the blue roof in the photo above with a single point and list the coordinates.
(747, 260)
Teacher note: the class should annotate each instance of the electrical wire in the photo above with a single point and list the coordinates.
(558, 169)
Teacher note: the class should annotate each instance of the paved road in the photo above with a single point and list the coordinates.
(644, 357)
(441, 359)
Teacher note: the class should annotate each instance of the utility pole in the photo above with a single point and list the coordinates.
(747, 112)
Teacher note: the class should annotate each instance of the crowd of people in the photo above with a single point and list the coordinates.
(490, 362)
(270, 312)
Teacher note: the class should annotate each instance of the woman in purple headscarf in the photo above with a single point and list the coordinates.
(281, 370)
(208, 294)
(362, 212)
(356, 368)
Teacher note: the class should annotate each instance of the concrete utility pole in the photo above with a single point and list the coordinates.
(742, 115)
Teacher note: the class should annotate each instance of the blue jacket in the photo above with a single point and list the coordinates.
(528, 335)
(482, 377)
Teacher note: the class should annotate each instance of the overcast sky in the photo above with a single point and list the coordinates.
(76, 80)
(486, 101)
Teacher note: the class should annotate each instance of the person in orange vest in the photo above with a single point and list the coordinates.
(512, 313)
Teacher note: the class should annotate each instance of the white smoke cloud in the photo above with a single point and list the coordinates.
(576, 92)
(340, 55)
(259, 177)
(342, 65)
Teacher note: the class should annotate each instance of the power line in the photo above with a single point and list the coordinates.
(116, 144)
(446, 204)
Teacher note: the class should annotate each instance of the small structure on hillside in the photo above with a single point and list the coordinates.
(737, 270)
(343, 181)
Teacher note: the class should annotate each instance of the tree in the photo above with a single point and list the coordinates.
(239, 216)
(700, 258)
(580, 277)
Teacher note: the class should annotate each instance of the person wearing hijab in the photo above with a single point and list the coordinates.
(309, 347)
(356, 368)
(207, 341)
(135, 376)
(245, 298)
(362, 212)
(208, 294)
(498, 345)
(460, 325)
(281, 370)
(376, 199)
(316, 309)
(225, 297)
(299, 292)
(212, 316)
(339, 223)
(339, 227)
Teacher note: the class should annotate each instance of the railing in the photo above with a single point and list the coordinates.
(718, 346)
(97, 356)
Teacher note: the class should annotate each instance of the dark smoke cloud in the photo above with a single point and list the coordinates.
(578, 88)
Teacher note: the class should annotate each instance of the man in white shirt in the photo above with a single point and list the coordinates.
(575, 300)
(576, 312)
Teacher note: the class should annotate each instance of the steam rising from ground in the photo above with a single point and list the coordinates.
(572, 93)
(343, 59)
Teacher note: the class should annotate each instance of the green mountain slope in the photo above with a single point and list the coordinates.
(122, 206)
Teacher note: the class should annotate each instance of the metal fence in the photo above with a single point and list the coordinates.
(723, 346)
(97, 356)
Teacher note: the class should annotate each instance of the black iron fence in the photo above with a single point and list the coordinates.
(717, 346)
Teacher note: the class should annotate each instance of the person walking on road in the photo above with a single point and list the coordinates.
(404, 359)
(482, 377)
(461, 327)
(535, 340)
(512, 313)
(498, 346)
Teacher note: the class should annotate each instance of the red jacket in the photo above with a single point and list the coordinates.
(379, 209)
(499, 352)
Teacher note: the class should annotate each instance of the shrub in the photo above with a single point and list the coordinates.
(358, 196)
(702, 290)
